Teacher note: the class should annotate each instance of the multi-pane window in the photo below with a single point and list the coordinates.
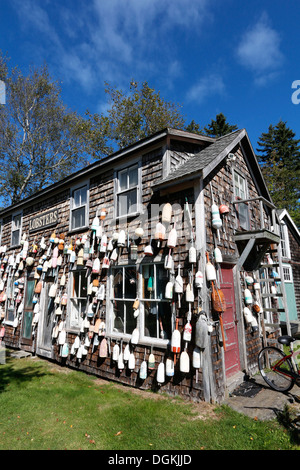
(78, 297)
(284, 242)
(240, 192)
(16, 229)
(79, 207)
(127, 191)
(145, 286)
(124, 295)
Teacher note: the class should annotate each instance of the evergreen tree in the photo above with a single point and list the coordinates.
(219, 127)
(279, 159)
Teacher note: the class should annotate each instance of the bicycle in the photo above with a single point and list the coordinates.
(279, 370)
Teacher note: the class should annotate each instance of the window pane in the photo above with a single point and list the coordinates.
(132, 201)
(29, 294)
(119, 314)
(15, 239)
(78, 217)
(122, 205)
(133, 176)
(130, 283)
(27, 322)
(79, 285)
(123, 180)
(80, 196)
(244, 216)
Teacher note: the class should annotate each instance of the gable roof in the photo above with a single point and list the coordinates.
(202, 163)
(285, 216)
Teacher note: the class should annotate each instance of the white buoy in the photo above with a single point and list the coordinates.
(184, 363)
(176, 339)
(169, 367)
(161, 373)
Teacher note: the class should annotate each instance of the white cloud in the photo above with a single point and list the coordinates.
(259, 50)
(112, 40)
(206, 87)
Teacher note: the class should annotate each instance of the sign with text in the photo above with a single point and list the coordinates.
(41, 221)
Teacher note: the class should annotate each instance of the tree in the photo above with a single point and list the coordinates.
(40, 141)
(219, 127)
(131, 117)
(279, 159)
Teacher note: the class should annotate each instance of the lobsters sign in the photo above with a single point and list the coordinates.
(41, 221)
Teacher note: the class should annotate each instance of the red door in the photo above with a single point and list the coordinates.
(232, 356)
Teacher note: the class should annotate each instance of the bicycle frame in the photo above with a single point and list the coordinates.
(296, 374)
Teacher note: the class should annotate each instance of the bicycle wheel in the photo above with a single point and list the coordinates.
(276, 379)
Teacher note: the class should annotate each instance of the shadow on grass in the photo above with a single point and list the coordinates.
(10, 375)
(291, 422)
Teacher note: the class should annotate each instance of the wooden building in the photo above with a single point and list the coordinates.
(159, 256)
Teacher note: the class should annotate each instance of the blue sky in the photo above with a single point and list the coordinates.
(209, 56)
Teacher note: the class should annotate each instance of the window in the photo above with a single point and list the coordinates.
(127, 191)
(16, 229)
(10, 304)
(28, 310)
(78, 297)
(284, 243)
(79, 207)
(124, 295)
(287, 274)
(147, 285)
(240, 192)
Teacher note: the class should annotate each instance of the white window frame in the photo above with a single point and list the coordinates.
(75, 316)
(287, 267)
(285, 242)
(119, 192)
(241, 193)
(83, 184)
(14, 228)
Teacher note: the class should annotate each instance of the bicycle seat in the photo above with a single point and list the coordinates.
(286, 339)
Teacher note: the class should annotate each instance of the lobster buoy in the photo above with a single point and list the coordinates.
(103, 244)
(103, 348)
(187, 332)
(218, 255)
(248, 297)
(160, 373)
(122, 239)
(172, 238)
(196, 358)
(148, 250)
(216, 218)
(210, 270)
(192, 255)
(143, 370)
(151, 361)
(223, 209)
(199, 279)
(184, 363)
(201, 332)
(166, 213)
(121, 361)
(139, 232)
(160, 232)
(116, 352)
(189, 294)
(248, 315)
(176, 339)
(96, 266)
(95, 224)
(169, 290)
(169, 367)
(135, 336)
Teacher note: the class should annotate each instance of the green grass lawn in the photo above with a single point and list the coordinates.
(46, 406)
